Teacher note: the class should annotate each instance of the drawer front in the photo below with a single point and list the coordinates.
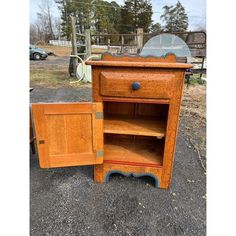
(138, 85)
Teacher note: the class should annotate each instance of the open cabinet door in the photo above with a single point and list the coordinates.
(69, 134)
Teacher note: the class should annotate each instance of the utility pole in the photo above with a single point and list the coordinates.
(139, 39)
(74, 44)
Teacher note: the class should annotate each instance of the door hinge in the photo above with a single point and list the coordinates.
(99, 153)
(99, 115)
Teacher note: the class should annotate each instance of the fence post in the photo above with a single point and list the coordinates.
(139, 39)
(108, 45)
(88, 43)
(122, 44)
(74, 46)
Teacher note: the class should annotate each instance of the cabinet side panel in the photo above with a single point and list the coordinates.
(96, 84)
(172, 130)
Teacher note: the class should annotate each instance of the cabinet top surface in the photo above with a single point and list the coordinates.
(140, 64)
(169, 61)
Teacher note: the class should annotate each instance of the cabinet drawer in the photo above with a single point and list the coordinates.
(139, 85)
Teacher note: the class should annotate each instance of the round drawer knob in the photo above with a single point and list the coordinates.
(136, 85)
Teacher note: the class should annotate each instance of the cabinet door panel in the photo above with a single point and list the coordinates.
(69, 134)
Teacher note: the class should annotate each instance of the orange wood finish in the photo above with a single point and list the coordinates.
(100, 171)
(155, 85)
(137, 126)
(161, 82)
(68, 134)
(134, 151)
(163, 62)
(140, 64)
(138, 132)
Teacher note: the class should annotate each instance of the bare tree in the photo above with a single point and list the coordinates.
(46, 22)
(34, 37)
(46, 11)
(57, 27)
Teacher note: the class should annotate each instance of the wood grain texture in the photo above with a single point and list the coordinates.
(98, 141)
(171, 131)
(140, 127)
(68, 134)
(101, 171)
(140, 64)
(163, 85)
(141, 152)
(118, 109)
(155, 85)
(136, 58)
(135, 126)
(137, 100)
(96, 85)
(169, 61)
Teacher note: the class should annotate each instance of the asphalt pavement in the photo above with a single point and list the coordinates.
(66, 201)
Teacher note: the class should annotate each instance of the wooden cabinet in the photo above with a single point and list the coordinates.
(131, 126)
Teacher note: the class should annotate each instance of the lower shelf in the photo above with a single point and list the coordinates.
(133, 151)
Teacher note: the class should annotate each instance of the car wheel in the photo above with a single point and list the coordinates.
(37, 56)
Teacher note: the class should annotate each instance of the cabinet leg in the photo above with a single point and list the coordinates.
(98, 174)
(164, 185)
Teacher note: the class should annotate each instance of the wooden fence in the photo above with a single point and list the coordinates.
(64, 43)
(196, 40)
(133, 44)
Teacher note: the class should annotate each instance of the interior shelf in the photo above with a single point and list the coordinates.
(134, 150)
(135, 126)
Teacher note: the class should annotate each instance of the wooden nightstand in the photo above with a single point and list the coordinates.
(131, 126)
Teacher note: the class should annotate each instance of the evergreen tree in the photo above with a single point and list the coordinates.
(97, 15)
(67, 9)
(80, 9)
(106, 16)
(107, 19)
(136, 14)
(175, 18)
(155, 28)
(115, 15)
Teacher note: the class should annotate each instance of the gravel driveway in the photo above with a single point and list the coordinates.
(51, 63)
(66, 201)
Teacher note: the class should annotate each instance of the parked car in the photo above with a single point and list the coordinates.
(37, 53)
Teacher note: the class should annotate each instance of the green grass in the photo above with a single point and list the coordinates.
(195, 79)
(50, 78)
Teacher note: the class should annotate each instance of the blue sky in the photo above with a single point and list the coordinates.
(196, 10)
